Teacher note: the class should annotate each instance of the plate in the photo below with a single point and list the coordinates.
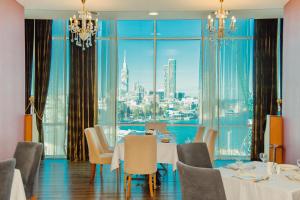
(288, 167)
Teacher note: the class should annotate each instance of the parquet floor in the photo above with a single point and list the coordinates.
(63, 180)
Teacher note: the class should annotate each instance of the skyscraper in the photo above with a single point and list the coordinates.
(170, 79)
(124, 77)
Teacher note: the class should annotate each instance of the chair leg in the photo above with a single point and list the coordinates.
(101, 169)
(33, 198)
(154, 181)
(125, 181)
(93, 171)
(150, 185)
(128, 191)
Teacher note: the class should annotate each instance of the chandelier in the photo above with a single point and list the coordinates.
(83, 28)
(221, 14)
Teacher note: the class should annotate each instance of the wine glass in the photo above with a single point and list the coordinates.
(263, 157)
(298, 163)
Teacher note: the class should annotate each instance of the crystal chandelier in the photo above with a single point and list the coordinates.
(221, 14)
(84, 28)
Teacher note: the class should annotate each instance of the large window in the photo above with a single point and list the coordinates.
(162, 70)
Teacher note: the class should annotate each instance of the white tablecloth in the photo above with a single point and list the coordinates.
(166, 153)
(17, 190)
(278, 187)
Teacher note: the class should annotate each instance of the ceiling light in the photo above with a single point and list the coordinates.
(83, 28)
(220, 15)
(153, 13)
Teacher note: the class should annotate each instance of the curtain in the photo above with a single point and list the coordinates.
(55, 114)
(226, 87)
(82, 93)
(29, 37)
(264, 80)
(107, 80)
(43, 44)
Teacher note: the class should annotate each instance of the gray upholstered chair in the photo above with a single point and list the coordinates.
(28, 157)
(200, 183)
(194, 154)
(7, 169)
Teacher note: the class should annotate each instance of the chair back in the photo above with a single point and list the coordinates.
(102, 138)
(28, 157)
(199, 134)
(7, 169)
(94, 145)
(211, 141)
(200, 183)
(140, 154)
(194, 154)
(161, 127)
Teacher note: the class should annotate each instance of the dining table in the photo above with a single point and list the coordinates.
(256, 181)
(166, 151)
(17, 189)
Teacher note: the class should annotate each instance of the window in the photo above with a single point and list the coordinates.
(161, 70)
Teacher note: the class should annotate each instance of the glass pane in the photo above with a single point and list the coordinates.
(178, 28)
(135, 90)
(135, 28)
(183, 134)
(58, 28)
(106, 28)
(178, 81)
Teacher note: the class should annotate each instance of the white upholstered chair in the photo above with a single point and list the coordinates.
(199, 134)
(210, 140)
(161, 127)
(97, 154)
(103, 140)
(140, 158)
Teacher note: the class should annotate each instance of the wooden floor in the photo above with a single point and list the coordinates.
(61, 179)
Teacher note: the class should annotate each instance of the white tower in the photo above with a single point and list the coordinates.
(124, 77)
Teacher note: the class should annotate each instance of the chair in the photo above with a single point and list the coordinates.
(210, 140)
(199, 134)
(97, 154)
(28, 157)
(7, 169)
(140, 158)
(194, 154)
(200, 183)
(103, 140)
(161, 127)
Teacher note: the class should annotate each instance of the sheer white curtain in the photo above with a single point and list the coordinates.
(55, 116)
(107, 79)
(227, 90)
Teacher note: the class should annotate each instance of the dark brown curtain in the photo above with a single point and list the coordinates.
(82, 94)
(29, 37)
(43, 42)
(265, 80)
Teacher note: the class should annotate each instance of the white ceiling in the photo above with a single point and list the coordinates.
(150, 5)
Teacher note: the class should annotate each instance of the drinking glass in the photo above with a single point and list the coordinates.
(188, 140)
(263, 157)
(298, 163)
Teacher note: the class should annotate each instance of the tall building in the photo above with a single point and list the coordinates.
(139, 91)
(124, 77)
(170, 79)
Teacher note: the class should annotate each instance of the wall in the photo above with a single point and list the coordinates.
(12, 78)
(291, 81)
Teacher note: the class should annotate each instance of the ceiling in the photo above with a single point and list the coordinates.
(150, 5)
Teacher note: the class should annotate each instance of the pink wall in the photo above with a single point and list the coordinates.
(12, 80)
(291, 81)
